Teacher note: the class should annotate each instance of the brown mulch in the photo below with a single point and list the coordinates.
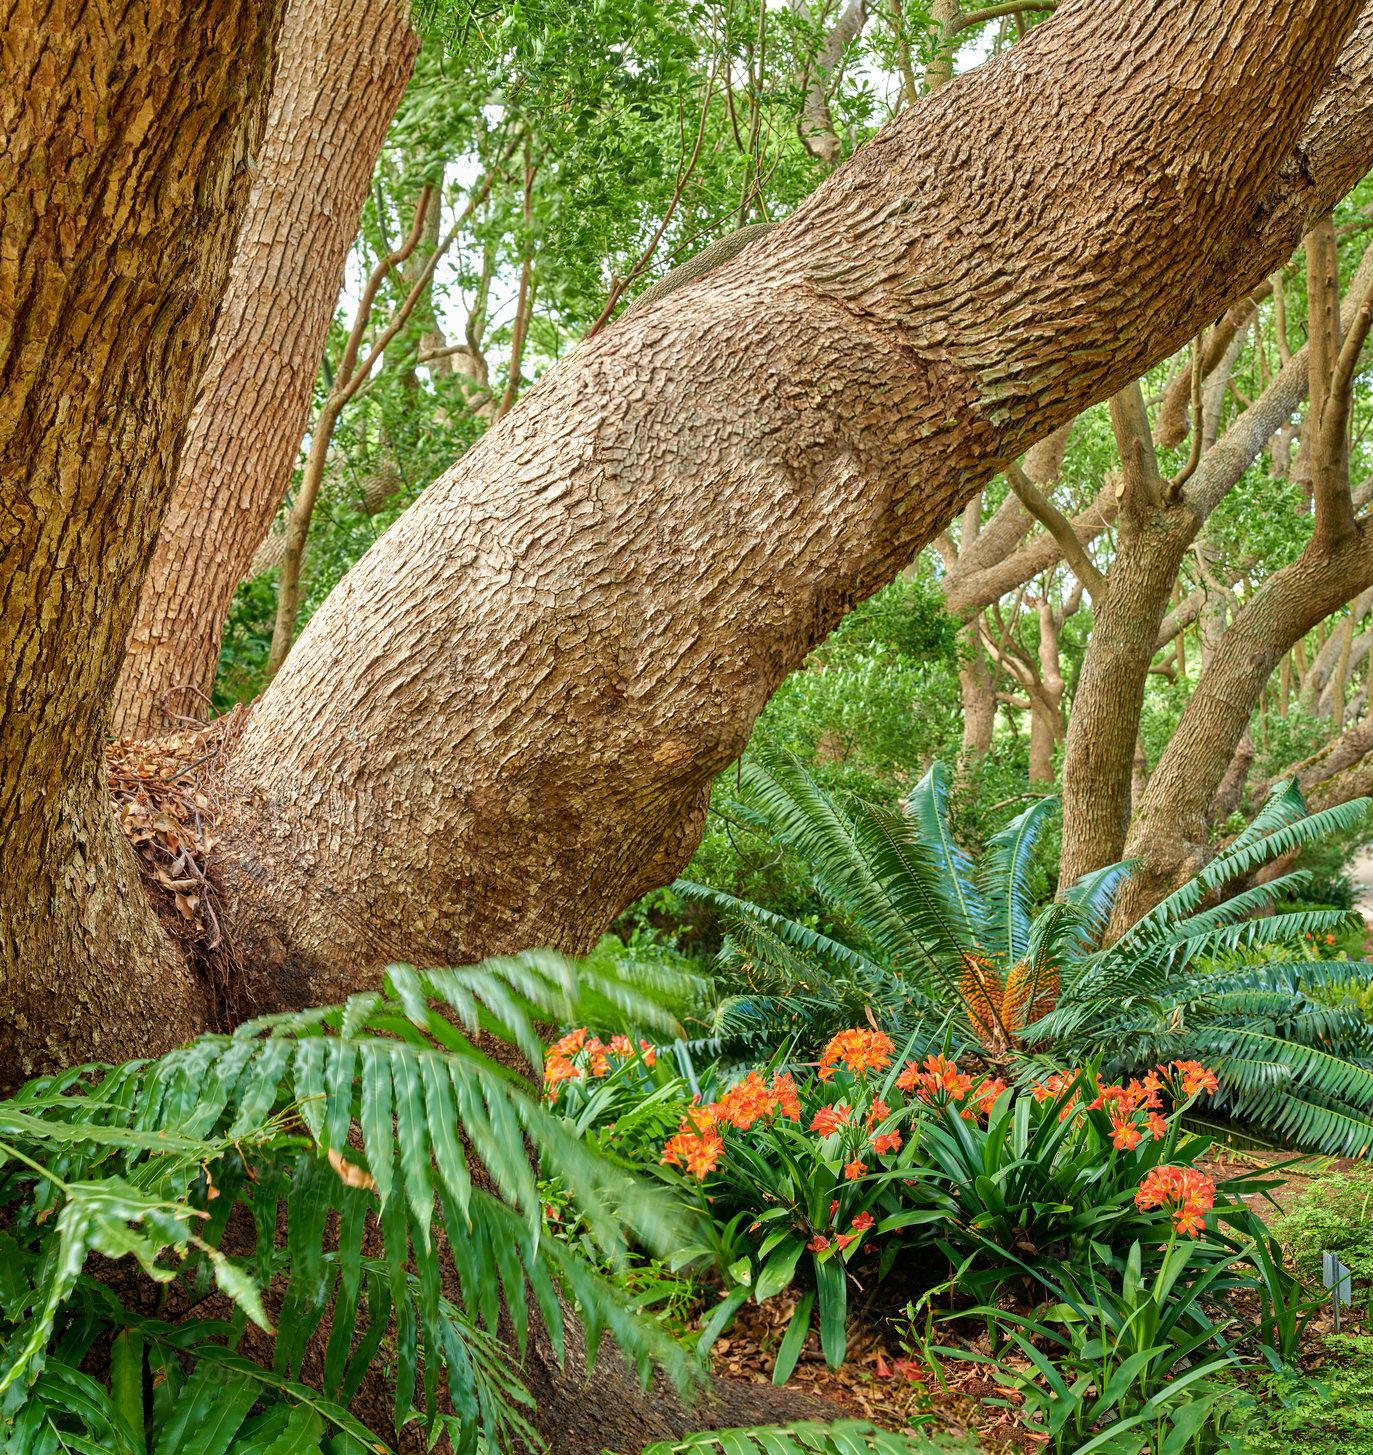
(878, 1381)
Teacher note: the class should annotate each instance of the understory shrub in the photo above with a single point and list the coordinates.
(148, 1160)
(941, 948)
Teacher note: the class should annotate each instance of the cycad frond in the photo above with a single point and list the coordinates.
(927, 806)
(803, 816)
(1004, 878)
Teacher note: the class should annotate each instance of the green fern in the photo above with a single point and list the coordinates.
(383, 1108)
(805, 1437)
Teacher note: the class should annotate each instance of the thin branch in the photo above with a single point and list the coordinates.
(1194, 450)
(995, 12)
(1057, 524)
(345, 393)
(646, 257)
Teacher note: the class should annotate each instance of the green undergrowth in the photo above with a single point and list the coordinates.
(1333, 1414)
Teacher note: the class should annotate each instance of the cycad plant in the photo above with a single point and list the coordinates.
(376, 1127)
(951, 951)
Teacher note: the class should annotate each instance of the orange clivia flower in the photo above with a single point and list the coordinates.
(1196, 1078)
(622, 1047)
(785, 1097)
(854, 1170)
(650, 1053)
(696, 1151)
(860, 1051)
(1187, 1195)
(886, 1141)
(937, 1082)
(842, 1240)
(862, 1222)
(1158, 1126)
(829, 1119)
(819, 1243)
(1125, 1133)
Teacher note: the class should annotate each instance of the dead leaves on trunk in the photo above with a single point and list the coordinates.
(163, 796)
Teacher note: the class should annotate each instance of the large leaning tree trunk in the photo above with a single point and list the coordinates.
(1169, 833)
(127, 161)
(343, 67)
(503, 724)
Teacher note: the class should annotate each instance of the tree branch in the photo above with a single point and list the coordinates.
(1057, 524)
(995, 12)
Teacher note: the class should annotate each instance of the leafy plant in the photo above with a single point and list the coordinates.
(1131, 1359)
(339, 1116)
(804, 1437)
(948, 947)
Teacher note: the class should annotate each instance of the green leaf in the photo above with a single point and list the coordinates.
(789, 1350)
(779, 1270)
(832, 1293)
(208, 1412)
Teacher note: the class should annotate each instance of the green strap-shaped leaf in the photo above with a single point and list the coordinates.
(789, 1350)
(833, 1299)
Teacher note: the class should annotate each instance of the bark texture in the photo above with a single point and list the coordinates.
(129, 132)
(501, 726)
(1201, 772)
(344, 65)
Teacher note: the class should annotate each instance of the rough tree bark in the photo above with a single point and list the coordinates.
(1157, 525)
(344, 65)
(1169, 833)
(503, 724)
(129, 142)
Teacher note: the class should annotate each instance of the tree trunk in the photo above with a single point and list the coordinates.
(344, 65)
(502, 726)
(1157, 526)
(128, 171)
(1098, 765)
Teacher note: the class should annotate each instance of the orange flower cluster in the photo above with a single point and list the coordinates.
(860, 1051)
(752, 1099)
(698, 1146)
(559, 1064)
(940, 1082)
(1124, 1104)
(1196, 1078)
(1187, 1194)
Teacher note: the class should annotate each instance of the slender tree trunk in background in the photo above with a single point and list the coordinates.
(344, 66)
(1154, 532)
(975, 681)
(1342, 673)
(1169, 833)
(524, 303)
(503, 724)
(815, 126)
(1139, 772)
(978, 692)
(1157, 525)
(126, 179)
